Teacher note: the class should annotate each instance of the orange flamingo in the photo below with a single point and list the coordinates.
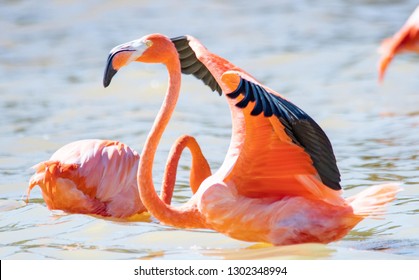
(99, 177)
(279, 182)
(406, 39)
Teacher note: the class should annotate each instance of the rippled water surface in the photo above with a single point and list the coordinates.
(322, 55)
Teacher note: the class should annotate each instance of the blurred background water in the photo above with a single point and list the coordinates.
(320, 54)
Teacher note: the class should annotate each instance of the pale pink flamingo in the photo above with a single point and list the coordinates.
(99, 177)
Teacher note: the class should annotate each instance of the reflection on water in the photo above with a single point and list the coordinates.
(322, 57)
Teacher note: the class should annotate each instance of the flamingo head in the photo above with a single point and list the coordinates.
(151, 48)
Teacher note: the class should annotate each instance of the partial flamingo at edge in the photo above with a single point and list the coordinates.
(405, 40)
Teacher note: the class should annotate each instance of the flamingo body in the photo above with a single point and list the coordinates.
(405, 40)
(291, 219)
(279, 182)
(91, 177)
(99, 177)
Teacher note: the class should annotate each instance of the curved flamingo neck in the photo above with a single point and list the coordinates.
(200, 168)
(180, 217)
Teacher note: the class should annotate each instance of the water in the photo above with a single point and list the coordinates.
(321, 55)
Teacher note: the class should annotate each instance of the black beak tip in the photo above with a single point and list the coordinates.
(109, 72)
(107, 78)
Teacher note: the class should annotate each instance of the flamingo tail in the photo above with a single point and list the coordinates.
(372, 201)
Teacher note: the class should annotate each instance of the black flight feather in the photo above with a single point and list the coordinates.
(191, 65)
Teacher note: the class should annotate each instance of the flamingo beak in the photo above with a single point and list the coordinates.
(122, 55)
(109, 71)
(118, 58)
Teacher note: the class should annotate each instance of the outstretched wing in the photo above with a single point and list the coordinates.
(191, 65)
(299, 126)
(283, 147)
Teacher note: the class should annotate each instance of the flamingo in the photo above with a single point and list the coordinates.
(406, 39)
(279, 182)
(99, 177)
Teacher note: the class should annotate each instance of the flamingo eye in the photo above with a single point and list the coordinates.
(149, 43)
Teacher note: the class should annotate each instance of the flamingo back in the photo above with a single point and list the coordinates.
(91, 176)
